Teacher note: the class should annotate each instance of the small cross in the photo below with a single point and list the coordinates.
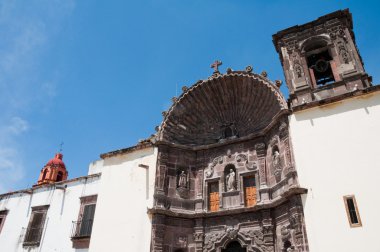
(215, 65)
(60, 147)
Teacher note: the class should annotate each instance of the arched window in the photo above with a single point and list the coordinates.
(59, 176)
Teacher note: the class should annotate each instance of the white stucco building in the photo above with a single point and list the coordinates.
(233, 167)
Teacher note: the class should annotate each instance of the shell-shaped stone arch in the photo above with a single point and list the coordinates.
(243, 103)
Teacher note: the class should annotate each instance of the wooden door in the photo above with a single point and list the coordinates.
(214, 196)
(250, 191)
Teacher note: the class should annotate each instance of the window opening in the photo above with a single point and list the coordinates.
(35, 227)
(352, 211)
(59, 176)
(87, 220)
(82, 228)
(3, 215)
(44, 176)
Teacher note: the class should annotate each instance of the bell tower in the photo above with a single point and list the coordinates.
(321, 61)
(53, 171)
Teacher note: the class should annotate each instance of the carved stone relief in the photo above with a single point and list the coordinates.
(276, 163)
(342, 51)
(211, 238)
(210, 171)
(297, 67)
(181, 241)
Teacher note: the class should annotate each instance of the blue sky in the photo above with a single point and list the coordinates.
(97, 74)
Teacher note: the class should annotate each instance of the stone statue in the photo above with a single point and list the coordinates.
(230, 181)
(182, 181)
(276, 159)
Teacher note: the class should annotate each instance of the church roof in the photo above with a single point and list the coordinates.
(246, 101)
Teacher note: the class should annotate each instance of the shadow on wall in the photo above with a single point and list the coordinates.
(364, 103)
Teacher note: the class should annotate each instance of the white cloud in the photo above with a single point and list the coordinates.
(17, 126)
(26, 31)
(11, 164)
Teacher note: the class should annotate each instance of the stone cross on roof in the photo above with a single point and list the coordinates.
(216, 65)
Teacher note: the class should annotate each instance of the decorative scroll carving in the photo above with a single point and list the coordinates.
(251, 165)
(212, 237)
(198, 237)
(241, 158)
(256, 235)
(210, 170)
(342, 51)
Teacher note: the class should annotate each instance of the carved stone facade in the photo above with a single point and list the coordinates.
(238, 186)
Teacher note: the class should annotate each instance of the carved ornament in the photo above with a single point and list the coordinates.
(198, 237)
(210, 170)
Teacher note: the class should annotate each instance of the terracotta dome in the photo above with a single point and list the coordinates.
(236, 104)
(53, 171)
(56, 161)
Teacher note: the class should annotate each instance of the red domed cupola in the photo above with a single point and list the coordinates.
(53, 171)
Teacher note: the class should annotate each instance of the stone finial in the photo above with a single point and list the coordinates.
(264, 74)
(248, 69)
(157, 128)
(229, 70)
(174, 99)
(278, 83)
(184, 88)
(164, 113)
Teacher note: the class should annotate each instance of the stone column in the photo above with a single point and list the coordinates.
(198, 235)
(158, 233)
(268, 230)
(261, 156)
(296, 215)
(161, 171)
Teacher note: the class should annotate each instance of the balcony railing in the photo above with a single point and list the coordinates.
(81, 229)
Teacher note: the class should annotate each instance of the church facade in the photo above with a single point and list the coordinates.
(233, 167)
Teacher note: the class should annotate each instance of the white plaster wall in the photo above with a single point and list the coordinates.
(336, 150)
(95, 167)
(121, 219)
(64, 208)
